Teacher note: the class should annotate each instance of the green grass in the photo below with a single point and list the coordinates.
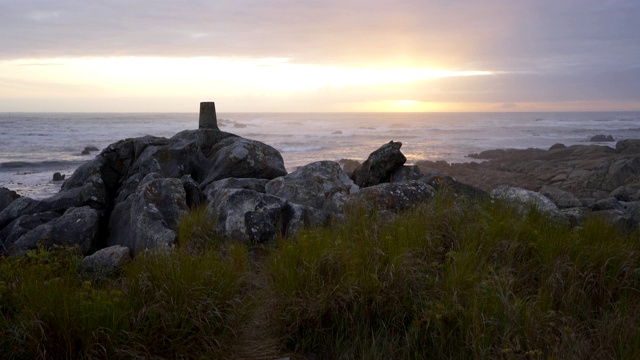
(452, 279)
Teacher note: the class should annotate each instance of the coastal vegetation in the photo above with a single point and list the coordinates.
(455, 278)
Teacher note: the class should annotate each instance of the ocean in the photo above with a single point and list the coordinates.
(33, 146)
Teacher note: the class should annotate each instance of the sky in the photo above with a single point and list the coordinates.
(319, 55)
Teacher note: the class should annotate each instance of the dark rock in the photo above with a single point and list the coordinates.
(601, 138)
(321, 185)
(629, 192)
(7, 197)
(22, 225)
(77, 226)
(235, 183)
(606, 204)
(148, 218)
(57, 177)
(248, 216)
(557, 146)
(561, 198)
(243, 158)
(406, 173)
(380, 165)
(89, 149)
(194, 196)
(628, 146)
(393, 196)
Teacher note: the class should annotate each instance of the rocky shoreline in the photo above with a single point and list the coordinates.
(131, 196)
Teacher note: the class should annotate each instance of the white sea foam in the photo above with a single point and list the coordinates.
(34, 146)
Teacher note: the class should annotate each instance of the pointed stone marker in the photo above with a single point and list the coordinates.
(208, 119)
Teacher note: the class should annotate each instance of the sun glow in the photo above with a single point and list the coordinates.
(147, 77)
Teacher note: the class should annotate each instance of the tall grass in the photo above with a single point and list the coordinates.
(458, 279)
(453, 279)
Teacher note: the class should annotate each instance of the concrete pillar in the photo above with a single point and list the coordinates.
(208, 119)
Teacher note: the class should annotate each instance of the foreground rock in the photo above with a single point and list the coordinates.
(322, 185)
(148, 219)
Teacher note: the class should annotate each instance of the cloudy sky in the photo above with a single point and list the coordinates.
(319, 55)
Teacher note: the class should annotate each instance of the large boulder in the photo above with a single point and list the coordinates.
(524, 199)
(380, 165)
(393, 196)
(321, 185)
(237, 157)
(562, 199)
(22, 225)
(148, 218)
(248, 216)
(77, 226)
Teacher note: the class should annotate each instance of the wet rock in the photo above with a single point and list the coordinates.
(321, 185)
(380, 165)
(557, 146)
(57, 177)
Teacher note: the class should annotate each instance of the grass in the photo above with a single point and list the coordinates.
(453, 279)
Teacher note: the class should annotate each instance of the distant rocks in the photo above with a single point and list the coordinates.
(602, 138)
(89, 149)
(58, 177)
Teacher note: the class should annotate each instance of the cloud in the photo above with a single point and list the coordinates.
(540, 50)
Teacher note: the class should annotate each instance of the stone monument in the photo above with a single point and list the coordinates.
(208, 119)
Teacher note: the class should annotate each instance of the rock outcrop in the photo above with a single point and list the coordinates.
(132, 195)
(380, 165)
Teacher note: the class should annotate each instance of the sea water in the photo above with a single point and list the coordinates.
(34, 146)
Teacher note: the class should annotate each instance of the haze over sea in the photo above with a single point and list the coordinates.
(34, 146)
